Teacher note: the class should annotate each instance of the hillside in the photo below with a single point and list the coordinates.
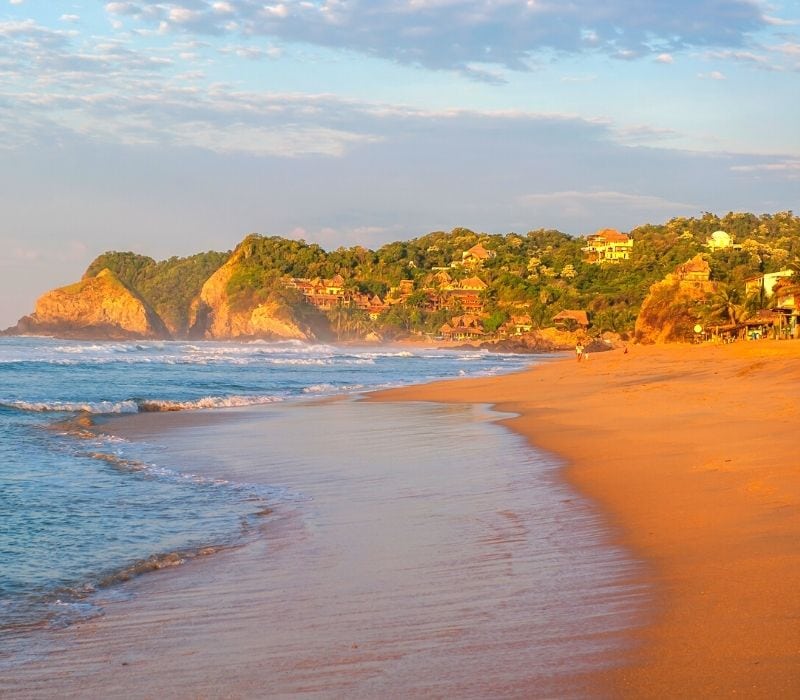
(461, 284)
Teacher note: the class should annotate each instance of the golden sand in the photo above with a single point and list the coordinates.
(693, 454)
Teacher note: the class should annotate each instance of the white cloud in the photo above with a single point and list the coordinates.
(664, 58)
(713, 75)
(455, 34)
(789, 168)
(573, 201)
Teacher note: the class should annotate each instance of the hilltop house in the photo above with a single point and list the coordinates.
(721, 240)
(608, 245)
(476, 256)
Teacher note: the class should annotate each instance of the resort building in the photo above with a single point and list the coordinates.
(786, 300)
(764, 285)
(465, 327)
(721, 240)
(517, 325)
(571, 319)
(476, 256)
(608, 246)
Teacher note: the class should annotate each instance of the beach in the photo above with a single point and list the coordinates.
(691, 453)
(635, 533)
(412, 550)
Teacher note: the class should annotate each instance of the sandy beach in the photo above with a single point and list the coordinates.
(413, 550)
(430, 552)
(691, 452)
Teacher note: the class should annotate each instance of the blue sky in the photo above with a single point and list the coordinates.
(173, 127)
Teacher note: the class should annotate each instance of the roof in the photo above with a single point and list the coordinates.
(478, 251)
(610, 235)
(764, 317)
(577, 315)
(473, 283)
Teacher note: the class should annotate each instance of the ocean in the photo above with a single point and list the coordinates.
(82, 512)
(252, 512)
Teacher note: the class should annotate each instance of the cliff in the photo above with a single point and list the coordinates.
(96, 307)
(672, 307)
(215, 315)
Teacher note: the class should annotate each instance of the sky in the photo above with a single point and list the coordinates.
(170, 128)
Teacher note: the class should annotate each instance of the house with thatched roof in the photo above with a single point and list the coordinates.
(477, 255)
(464, 327)
(571, 319)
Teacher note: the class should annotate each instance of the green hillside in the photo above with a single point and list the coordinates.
(537, 273)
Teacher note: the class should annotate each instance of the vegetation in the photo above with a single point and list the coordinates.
(538, 273)
(168, 287)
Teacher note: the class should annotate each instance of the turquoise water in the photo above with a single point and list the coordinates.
(80, 512)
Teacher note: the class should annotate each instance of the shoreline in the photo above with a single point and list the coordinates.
(349, 592)
(689, 453)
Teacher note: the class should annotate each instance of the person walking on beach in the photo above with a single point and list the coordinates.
(579, 350)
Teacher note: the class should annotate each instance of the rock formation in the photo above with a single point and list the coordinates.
(670, 310)
(96, 307)
(214, 316)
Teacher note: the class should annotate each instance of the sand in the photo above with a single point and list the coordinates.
(428, 553)
(692, 454)
(688, 453)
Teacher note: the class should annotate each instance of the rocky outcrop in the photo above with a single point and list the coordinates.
(96, 307)
(669, 312)
(213, 316)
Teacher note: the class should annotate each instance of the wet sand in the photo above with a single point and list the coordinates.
(692, 452)
(418, 551)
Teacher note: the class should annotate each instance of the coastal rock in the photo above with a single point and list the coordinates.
(96, 307)
(670, 310)
(214, 316)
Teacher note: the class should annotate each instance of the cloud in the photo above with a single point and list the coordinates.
(457, 34)
(665, 58)
(790, 168)
(579, 203)
(713, 75)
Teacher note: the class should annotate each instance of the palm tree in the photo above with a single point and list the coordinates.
(728, 303)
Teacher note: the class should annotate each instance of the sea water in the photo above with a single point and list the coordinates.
(81, 511)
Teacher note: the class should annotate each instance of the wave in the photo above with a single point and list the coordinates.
(137, 405)
(73, 407)
(156, 406)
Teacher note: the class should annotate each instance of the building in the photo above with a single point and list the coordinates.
(721, 240)
(786, 300)
(764, 285)
(465, 327)
(517, 325)
(608, 246)
(476, 256)
(571, 319)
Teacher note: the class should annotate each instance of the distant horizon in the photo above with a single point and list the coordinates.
(172, 128)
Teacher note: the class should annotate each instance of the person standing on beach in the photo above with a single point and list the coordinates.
(579, 350)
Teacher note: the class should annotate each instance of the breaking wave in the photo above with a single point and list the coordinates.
(138, 405)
